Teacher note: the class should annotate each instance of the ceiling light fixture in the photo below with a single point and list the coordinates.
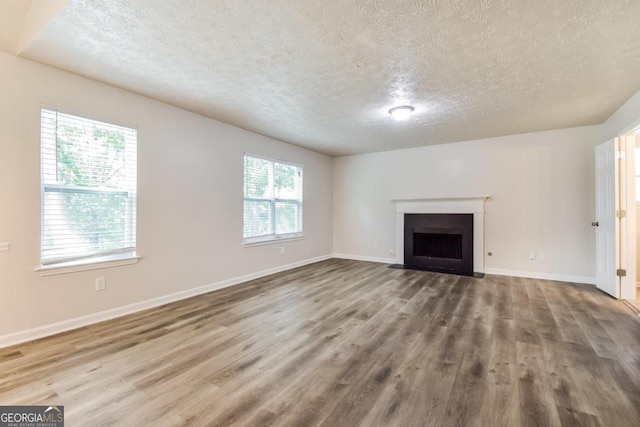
(402, 112)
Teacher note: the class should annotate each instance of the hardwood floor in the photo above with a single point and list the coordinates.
(635, 305)
(347, 343)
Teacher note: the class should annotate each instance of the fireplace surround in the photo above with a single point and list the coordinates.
(439, 242)
(474, 205)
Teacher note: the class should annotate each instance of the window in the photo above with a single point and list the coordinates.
(272, 200)
(88, 179)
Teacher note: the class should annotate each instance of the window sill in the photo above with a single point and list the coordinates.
(85, 265)
(271, 240)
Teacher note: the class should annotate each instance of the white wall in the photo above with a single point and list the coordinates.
(623, 120)
(541, 187)
(189, 199)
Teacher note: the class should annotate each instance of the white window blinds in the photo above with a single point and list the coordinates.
(272, 199)
(88, 179)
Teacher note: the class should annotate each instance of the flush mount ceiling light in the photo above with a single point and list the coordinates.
(402, 112)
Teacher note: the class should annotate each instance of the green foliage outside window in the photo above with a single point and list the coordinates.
(273, 197)
(93, 158)
(88, 186)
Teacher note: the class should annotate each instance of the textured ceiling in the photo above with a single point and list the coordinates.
(323, 74)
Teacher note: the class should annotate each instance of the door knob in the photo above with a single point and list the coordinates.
(595, 223)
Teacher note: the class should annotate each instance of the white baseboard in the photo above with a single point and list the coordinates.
(365, 258)
(66, 325)
(545, 276)
(496, 271)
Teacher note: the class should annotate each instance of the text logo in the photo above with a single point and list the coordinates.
(31, 416)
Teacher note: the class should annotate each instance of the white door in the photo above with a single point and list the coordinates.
(606, 225)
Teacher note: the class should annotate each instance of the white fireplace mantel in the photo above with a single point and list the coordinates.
(445, 205)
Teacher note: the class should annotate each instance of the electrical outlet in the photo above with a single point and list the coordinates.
(281, 250)
(541, 256)
(101, 283)
(391, 252)
(532, 255)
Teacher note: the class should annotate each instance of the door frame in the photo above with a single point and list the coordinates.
(628, 225)
(628, 221)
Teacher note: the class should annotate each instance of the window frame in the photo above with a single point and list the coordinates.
(273, 237)
(125, 255)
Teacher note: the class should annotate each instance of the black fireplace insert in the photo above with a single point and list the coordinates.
(439, 242)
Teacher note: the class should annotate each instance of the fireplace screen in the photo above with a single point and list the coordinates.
(439, 242)
(437, 245)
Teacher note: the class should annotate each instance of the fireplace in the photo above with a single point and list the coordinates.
(472, 205)
(439, 242)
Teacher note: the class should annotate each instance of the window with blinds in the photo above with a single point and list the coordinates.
(272, 200)
(88, 179)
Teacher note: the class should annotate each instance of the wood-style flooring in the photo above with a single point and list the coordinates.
(636, 303)
(347, 343)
